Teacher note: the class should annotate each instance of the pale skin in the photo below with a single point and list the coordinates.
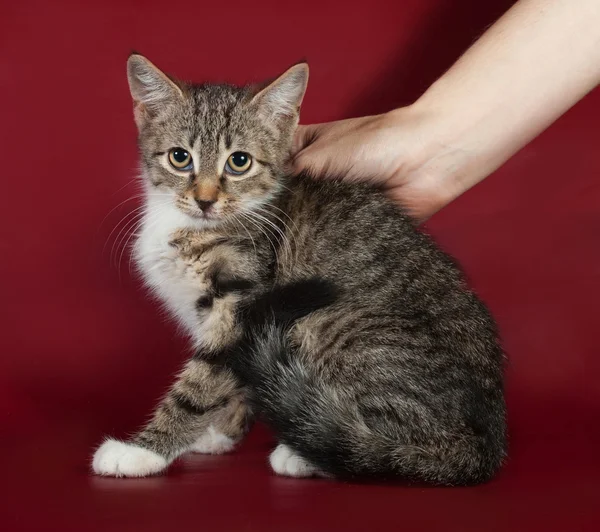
(530, 67)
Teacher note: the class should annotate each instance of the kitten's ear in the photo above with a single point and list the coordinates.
(283, 97)
(150, 88)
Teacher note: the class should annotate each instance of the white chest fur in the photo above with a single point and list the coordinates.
(177, 282)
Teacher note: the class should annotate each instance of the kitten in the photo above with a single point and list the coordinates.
(315, 304)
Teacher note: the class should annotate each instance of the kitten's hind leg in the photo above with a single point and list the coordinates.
(196, 401)
(286, 462)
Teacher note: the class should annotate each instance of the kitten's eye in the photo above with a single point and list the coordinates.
(238, 163)
(180, 159)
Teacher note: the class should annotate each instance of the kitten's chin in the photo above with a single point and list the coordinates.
(204, 220)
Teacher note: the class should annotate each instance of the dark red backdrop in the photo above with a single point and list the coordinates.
(85, 352)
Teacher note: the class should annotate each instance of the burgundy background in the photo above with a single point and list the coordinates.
(85, 352)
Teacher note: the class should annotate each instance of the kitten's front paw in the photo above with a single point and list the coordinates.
(213, 442)
(120, 459)
(285, 462)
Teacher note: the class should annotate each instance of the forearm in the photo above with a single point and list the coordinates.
(529, 68)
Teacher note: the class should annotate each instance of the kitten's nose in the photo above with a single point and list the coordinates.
(204, 204)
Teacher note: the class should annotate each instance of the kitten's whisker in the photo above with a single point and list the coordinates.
(287, 227)
(287, 216)
(114, 208)
(281, 237)
(154, 221)
(247, 217)
(258, 220)
(117, 244)
(137, 212)
(122, 220)
(284, 240)
(125, 185)
(124, 232)
(142, 195)
(151, 221)
(235, 218)
(131, 234)
(286, 187)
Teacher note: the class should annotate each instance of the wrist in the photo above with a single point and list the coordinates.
(431, 164)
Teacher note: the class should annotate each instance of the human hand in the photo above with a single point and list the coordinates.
(391, 151)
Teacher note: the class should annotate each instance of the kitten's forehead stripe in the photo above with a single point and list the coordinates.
(192, 140)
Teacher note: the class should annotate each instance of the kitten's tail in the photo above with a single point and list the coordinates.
(325, 427)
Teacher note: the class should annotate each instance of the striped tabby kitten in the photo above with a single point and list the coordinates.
(315, 304)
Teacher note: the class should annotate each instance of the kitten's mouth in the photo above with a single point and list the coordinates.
(201, 215)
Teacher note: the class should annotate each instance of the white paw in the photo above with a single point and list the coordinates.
(285, 462)
(119, 459)
(213, 442)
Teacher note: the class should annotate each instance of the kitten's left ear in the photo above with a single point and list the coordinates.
(283, 97)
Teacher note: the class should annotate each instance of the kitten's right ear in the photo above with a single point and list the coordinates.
(150, 88)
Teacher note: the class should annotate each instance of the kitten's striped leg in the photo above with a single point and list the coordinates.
(227, 430)
(205, 398)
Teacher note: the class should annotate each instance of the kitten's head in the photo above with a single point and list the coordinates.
(214, 151)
